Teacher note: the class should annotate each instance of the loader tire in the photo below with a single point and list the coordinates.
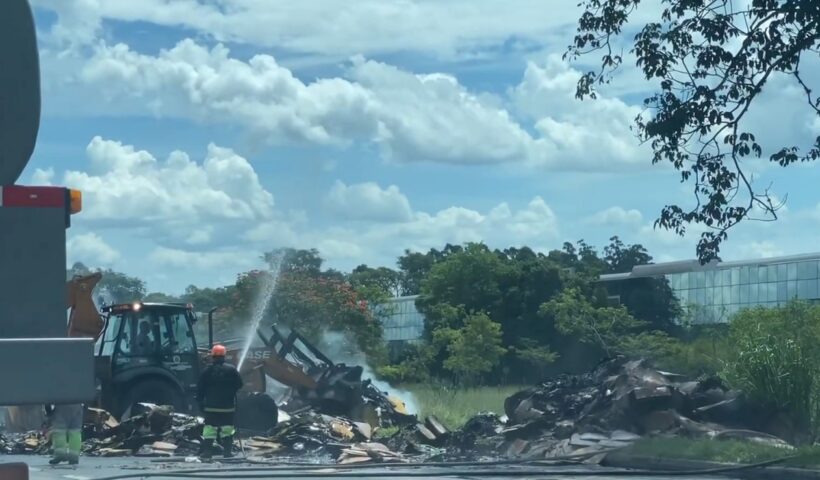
(256, 412)
(154, 391)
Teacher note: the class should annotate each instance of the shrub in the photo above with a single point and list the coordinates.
(475, 349)
(774, 358)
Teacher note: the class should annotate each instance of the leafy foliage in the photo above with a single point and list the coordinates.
(475, 349)
(511, 285)
(114, 287)
(537, 356)
(204, 299)
(414, 367)
(381, 281)
(649, 298)
(775, 359)
(414, 266)
(711, 60)
(311, 303)
(307, 262)
(616, 332)
(484, 308)
(507, 285)
(606, 327)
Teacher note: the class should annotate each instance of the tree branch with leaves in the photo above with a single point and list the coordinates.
(711, 60)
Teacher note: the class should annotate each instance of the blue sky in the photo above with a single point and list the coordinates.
(204, 133)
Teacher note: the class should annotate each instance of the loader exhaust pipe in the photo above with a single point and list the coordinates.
(211, 327)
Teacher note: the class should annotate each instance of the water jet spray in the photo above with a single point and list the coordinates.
(261, 304)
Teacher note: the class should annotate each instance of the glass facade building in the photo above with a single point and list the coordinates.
(400, 319)
(714, 292)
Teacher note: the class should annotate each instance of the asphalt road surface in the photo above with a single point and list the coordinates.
(93, 468)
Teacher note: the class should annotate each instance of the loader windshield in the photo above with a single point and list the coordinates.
(108, 340)
(176, 332)
(134, 333)
(147, 332)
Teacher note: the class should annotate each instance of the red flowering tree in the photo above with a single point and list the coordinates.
(311, 304)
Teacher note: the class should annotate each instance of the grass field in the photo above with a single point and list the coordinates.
(454, 406)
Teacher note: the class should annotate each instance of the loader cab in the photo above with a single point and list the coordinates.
(148, 353)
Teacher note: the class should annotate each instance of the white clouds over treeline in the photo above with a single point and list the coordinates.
(411, 117)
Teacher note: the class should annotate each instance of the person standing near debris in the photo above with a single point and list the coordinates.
(216, 394)
(66, 432)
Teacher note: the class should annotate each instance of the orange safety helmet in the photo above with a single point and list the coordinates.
(218, 351)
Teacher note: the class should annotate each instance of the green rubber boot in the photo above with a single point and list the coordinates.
(59, 447)
(75, 445)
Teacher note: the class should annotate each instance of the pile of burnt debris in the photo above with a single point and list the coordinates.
(621, 401)
(566, 417)
(300, 429)
(585, 416)
(152, 430)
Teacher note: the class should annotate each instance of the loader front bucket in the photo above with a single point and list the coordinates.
(338, 390)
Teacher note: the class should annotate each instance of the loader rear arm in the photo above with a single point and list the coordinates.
(84, 319)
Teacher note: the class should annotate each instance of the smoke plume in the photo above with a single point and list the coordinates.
(339, 348)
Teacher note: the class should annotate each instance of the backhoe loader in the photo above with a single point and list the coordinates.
(148, 353)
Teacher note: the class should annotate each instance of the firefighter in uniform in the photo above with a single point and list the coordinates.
(216, 395)
(66, 432)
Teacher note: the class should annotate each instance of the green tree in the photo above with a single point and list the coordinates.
(204, 299)
(582, 260)
(475, 349)
(120, 287)
(312, 305)
(470, 279)
(413, 367)
(711, 59)
(508, 285)
(159, 297)
(615, 331)
(620, 257)
(293, 260)
(414, 267)
(650, 299)
(535, 355)
(605, 327)
(382, 279)
(114, 287)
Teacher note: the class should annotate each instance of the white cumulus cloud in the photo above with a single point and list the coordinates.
(90, 249)
(328, 27)
(759, 249)
(42, 177)
(589, 134)
(410, 117)
(535, 225)
(235, 260)
(177, 198)
(368, 201)
(617, 216)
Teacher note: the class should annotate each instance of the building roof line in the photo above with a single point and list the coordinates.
(683, 266)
